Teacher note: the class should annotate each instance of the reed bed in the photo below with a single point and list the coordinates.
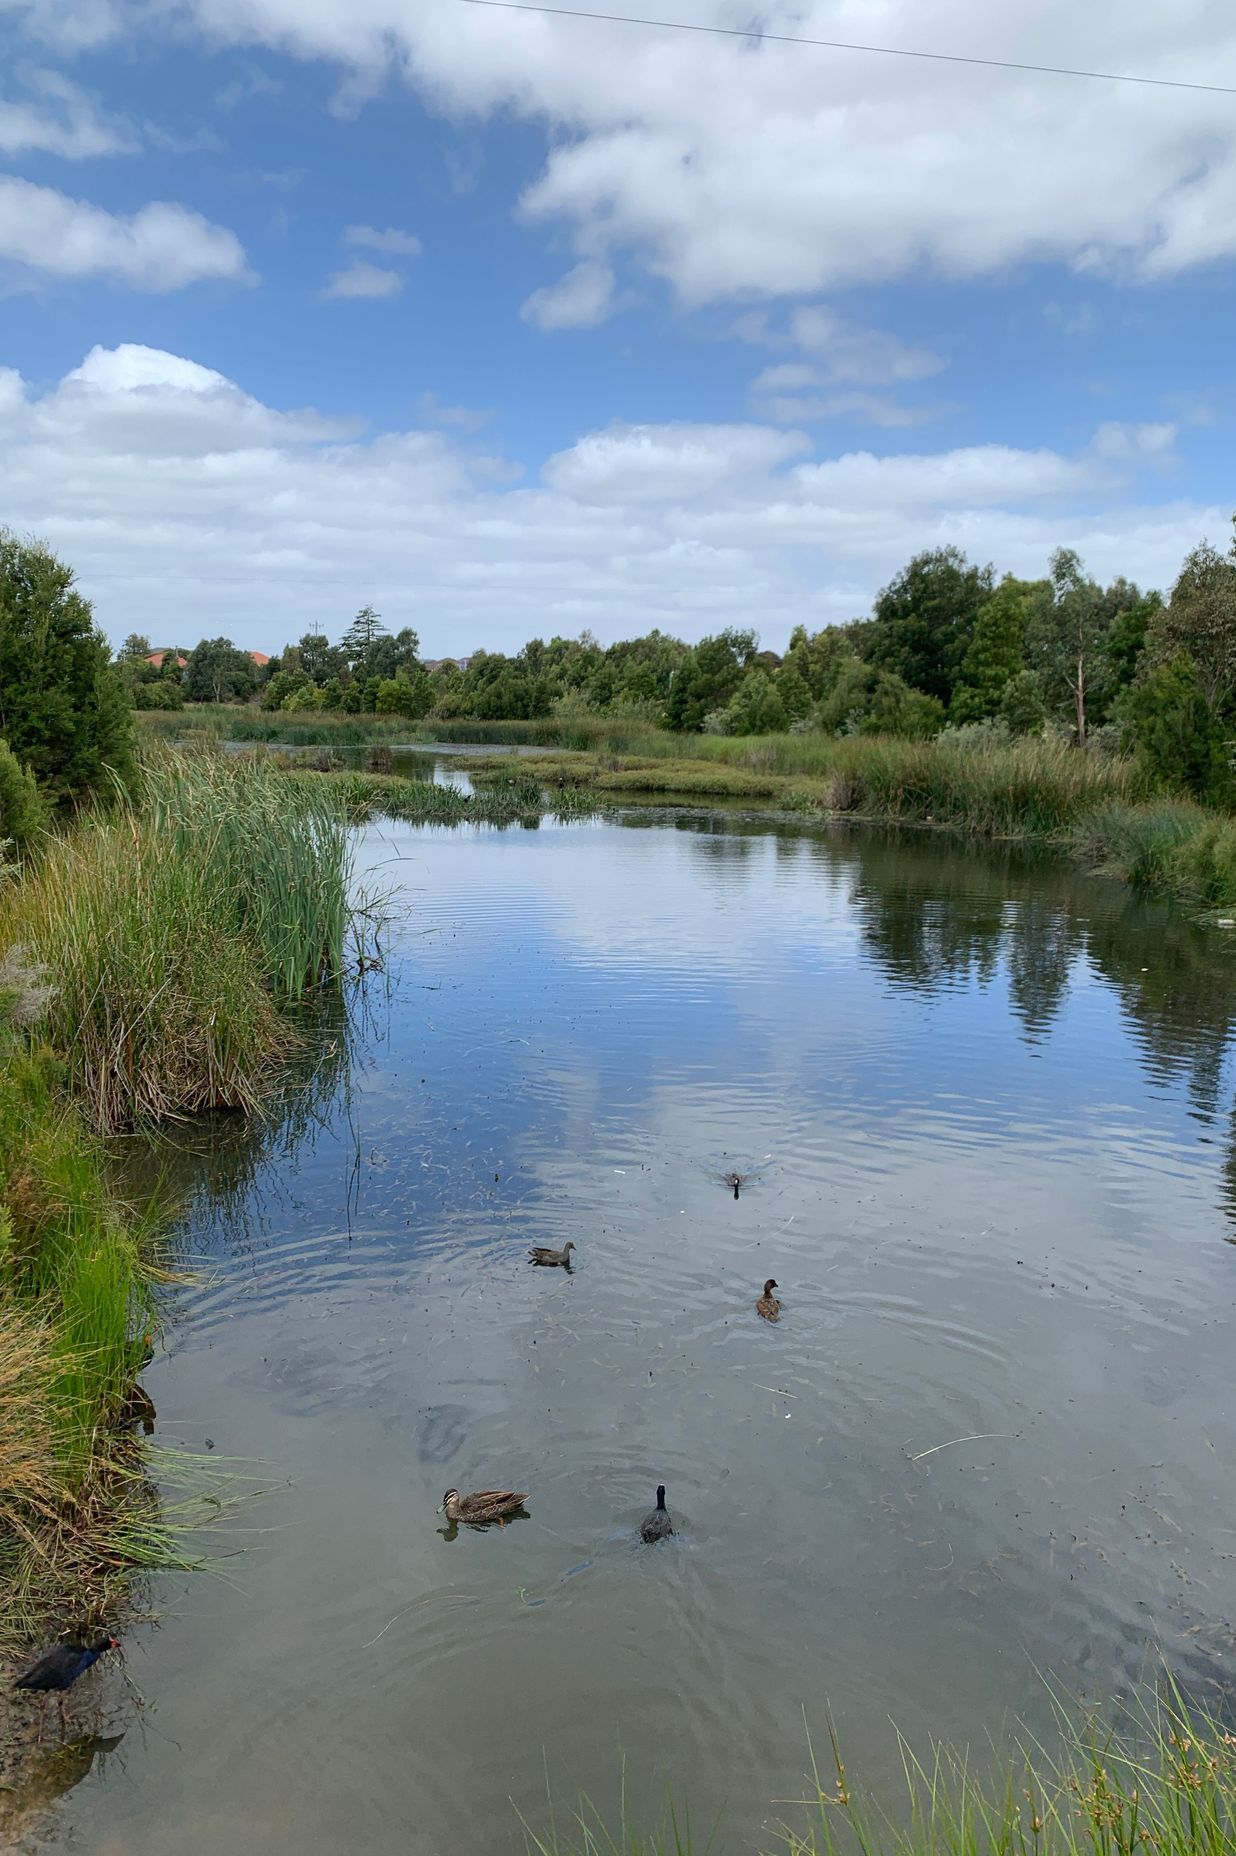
(174, 928)
(1164, 1785)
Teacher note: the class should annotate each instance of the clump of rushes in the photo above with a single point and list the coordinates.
(1166, 1786)
(174, 927)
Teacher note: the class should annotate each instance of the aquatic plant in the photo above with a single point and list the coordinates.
(1164, 1784)
(172, 928)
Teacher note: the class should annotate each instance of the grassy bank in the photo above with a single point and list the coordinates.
(509, 796)
(175, 928)
(153, 954)
(1163, 1786)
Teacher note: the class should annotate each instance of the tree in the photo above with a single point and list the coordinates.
(1167, 717)
(361, 633)
(1023, 705)
(755, 708)
(925, 618)
(63, 708)
(319, 659)
(1200, 618)
(283, 684)
(135, 646)
(23, 812)
(996, 652)
(386, 657)
(708, 677)
(406, 696)
(218, 672)
(1067, 640)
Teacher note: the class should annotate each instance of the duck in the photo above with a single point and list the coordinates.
(482, 1507)
(541, 1253)
(657, 1524)
(58, 1668)
(768, 1305)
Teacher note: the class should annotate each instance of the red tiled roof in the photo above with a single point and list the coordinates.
(156, 658)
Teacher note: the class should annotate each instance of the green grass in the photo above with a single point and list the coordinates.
(173, 929)
(1164, 1785)
(512, 794)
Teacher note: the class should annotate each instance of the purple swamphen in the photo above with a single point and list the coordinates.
(58, 1669)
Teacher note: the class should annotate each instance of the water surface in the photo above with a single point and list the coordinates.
(987, 1103)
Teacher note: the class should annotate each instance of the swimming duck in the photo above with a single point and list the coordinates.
(657, 1524)
(541, 1253)
(768, 1305)
(479, 1509)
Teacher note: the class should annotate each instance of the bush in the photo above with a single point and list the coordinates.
(976, 737)
(63, 707)
(161, 693)
(23, 813)
(1167, 719)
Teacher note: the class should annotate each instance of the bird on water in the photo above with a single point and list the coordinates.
(657, 1524)
(479, 1509)
(58, 1668)
(542, 1253)
(768, 1305)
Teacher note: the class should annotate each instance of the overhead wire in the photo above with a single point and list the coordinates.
(851, 45)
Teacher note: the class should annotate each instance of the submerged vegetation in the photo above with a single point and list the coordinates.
(1165, 1785)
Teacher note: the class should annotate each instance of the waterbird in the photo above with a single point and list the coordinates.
(768, 1305)
(58, 1668)
(482, 1507)
(657, 1524)
(542, 1253)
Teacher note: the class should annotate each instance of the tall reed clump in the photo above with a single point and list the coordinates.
(1165, 1787)
(174, 927)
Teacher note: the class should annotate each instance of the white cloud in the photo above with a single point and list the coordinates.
(57, 117)
(584, 297)
(160, 247)
(361, 279)
(1155, 439)
(392, 241)
(734, 168)
(173, 491)
(847, 362)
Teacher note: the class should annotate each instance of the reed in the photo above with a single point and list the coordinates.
(1164, 1784)
(173, 928)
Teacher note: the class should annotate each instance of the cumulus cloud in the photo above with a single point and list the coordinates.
(730, 167)
(584, 297)
(392, 241)
(54, 116)
(279, 519)
(161, 247)
(848, 361)
(361, 279)
(1153, 439)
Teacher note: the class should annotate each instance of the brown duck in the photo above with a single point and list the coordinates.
(561, 1259)
(768, 1305)
(482, 1507)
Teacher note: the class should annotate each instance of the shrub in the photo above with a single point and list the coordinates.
(63, 708)
(23, 813)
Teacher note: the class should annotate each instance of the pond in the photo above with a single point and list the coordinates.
(986, 1105)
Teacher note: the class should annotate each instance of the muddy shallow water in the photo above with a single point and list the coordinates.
(987, 1104)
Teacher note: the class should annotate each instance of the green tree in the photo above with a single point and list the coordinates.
(218, 672)
(319, 659)
(1023, 704)
(755, 708)
(1200, 618)
(1067, 642)
(23, 813)
(1167, 717)
(996, 652)
(63, 707)
(365, 628)
(386, 657)
(282, 685)
(707, 678)
(136, 646)
(925, 618)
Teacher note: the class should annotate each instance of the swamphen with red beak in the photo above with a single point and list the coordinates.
(59, 1668)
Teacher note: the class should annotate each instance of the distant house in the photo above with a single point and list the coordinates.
(435, 663)
(259, 658)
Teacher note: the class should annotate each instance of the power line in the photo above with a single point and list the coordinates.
(849, 45)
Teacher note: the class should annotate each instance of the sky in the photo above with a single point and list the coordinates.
(512, 325)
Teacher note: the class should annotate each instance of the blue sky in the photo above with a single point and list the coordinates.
(513, 325)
